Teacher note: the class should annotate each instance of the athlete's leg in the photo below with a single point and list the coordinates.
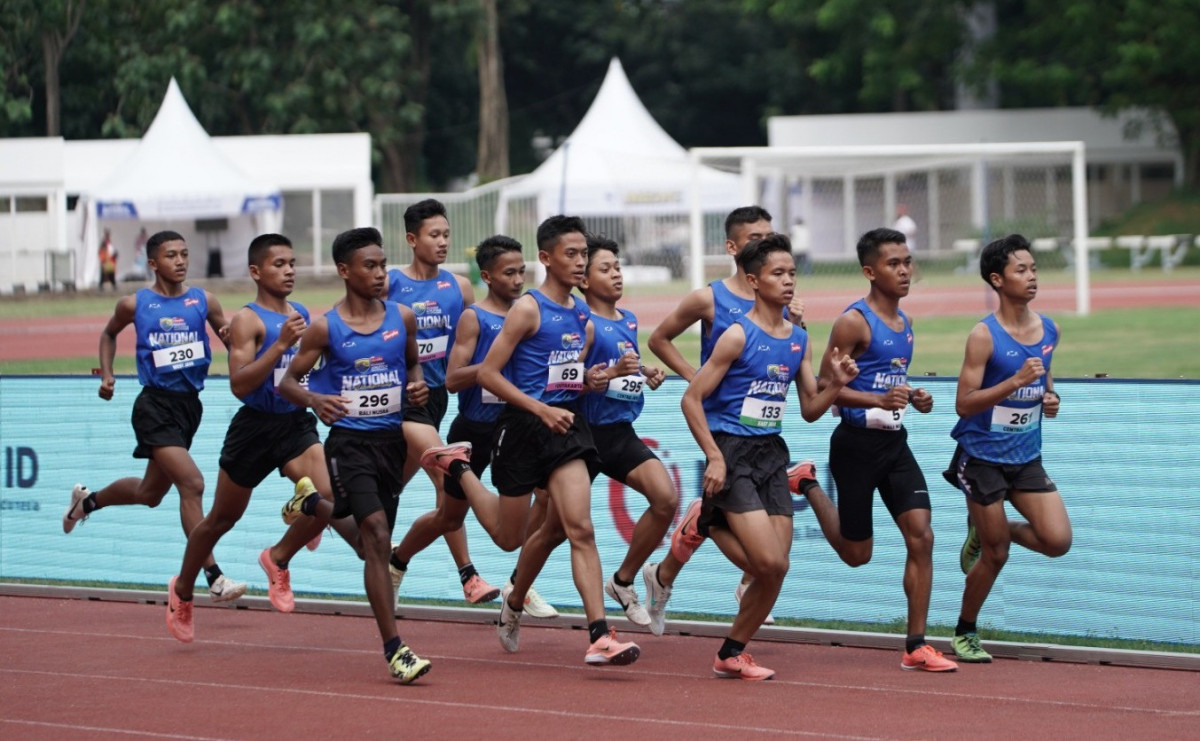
(992, 525)
(570, 494)
(918, 566)
(229, 504)
(1047, 529)
(310, 464)
(421, 437)
(376, 539)
(536, 550)
(765, 540)
(651, 479)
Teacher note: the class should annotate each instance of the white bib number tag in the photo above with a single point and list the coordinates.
(885, 419)
(432, 348)
(626, 388)
(1014, 419)
(565, 377)
(487, 397)
(281, 373)
(376, 402)
(180, 356)
(759, 413)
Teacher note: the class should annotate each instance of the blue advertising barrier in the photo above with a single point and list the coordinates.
(1123, 453)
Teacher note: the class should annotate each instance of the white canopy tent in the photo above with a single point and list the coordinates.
(177, 179)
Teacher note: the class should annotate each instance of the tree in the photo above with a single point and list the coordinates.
(1115, 56)
(493, 101)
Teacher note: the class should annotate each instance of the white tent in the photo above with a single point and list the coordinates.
(619, 162)
(177, 179)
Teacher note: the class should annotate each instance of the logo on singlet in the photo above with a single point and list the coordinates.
(373, 363)
(778, 372)
(570, 340)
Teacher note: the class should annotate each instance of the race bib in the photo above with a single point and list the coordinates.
(487, 397)
(626, 388)
(885, 419)
(375, 402)
(178, 357)
(565, 377)
(760, 413)
(1013, 419)
(281, 373)
(432, 348)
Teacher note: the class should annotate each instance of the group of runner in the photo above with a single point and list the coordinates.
(549, 387)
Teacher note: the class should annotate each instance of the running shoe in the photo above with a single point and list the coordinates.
(608, 650)
(741, 666)
(968, 650)
(407, 666)
(928, 659)
(627, 598)
(800, 473)
(476, 590)
(279, 583)
(656, 599)
(687, 538)
(737, 595)
(74, 514)
(179, 615)
(971, 548)
(225, 589)
(440, 458)
(509, 627)
(535, 606)
(293, 511)
(397, 578)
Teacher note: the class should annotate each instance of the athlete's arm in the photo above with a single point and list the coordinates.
(815, 401)
(728, 348)
(852, 331)
(416, 390)
(313, 345)
(697, 306)
(460, 374)
(1050, 399)
(600, 374)
(971, 399)
(522, 321)
(246, 333)
(216, 318)
(468, 290)
(122, 317)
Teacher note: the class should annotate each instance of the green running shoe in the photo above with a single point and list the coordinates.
(970, 549)
(967, 649)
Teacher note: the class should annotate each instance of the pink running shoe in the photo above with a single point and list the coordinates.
(741, 666)
(279, 583)
(608, 650)
(179, 615)
(440, 458)
(687, 538)
(799, 473)
(476, 590)
(927, 658)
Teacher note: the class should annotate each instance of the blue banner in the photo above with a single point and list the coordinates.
(1123, 454)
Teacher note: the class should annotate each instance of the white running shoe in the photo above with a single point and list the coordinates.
(509, 627)
(225, 589)
(535, 606)
(656, 599)
(737, 595)
(70, 519)
(627, 598)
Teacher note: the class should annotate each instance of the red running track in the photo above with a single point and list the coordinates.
(77, 669)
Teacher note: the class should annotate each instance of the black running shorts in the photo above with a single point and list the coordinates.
(863, 460)
(165, 419)
(366, 471)
(525, 452)
(259, 442)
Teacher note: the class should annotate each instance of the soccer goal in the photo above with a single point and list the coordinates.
(950, 199)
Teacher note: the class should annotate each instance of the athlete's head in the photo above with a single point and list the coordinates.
(157, 240)
(995, 257)
(416, 214)
(562, 248)
(262, 244)
(346, 243)
(490, 249)
(551, 231)
(603, 279)
(501, 266)
(743, 225)
(757, 253)
(869, 244)
(597, 243)
(427, 231)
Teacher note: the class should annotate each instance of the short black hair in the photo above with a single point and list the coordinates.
(550, 230)
(345, 244)
(261, 244)
(745, 215)
(869, 243)
(754, 255)
(416, 214)
(157, 240)
(995, 256)
(598, 242)
(490, 250)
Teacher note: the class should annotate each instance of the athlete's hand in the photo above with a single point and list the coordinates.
(597, 378)
(896, 398)
(557, 419)
(330, 408)
(654, 376)
(417, 393)
(1050, 404)
(628, 365)
(714, 476)
(1031, 371)
(223, 333)
(844, 368)
(291, 330)
(922, 401)
(107, 384)
(796, 311)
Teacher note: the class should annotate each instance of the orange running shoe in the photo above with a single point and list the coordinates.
(440, 458)
(687, 538)
(476, 590)
(179, 614)
(608, 650)
(928, 659)
(799, 473)
(741, 666)
(279, 583)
